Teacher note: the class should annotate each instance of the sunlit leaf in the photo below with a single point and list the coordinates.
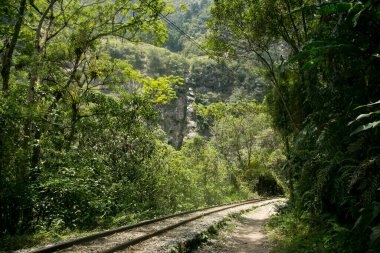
(365, 127)
(183, 7)
(375, 237)
(363, 116)
(368, 105)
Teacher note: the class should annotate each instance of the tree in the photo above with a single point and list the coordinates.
(242, 134)
(10, 38)
(52, 47)
(325, 70)
(269, 40)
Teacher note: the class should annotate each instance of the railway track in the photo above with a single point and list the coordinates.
(122, 238)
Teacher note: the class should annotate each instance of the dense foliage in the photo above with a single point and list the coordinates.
(80, 143)
(218, 81)
(209, 80)
(188, 22)
(59, 132)
(322, 62)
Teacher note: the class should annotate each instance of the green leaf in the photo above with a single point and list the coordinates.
(363, 116)
(356, 17)
(359, 8)
(367, 216)
(313, 62)
(365, 127)
(368, 105)
(375, 237)
(334, 8)
(183, 7)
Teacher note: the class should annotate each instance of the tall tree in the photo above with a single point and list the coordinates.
(11, 41)
(53, 48)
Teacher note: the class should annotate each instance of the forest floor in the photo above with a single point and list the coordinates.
(244, 234)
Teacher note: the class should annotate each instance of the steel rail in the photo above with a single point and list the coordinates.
(137, 240)
(92, 237)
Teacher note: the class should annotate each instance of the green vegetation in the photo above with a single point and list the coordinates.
(211, 81)
(307, 232)
(321, 61)
(287, 103)
(222, 80)
(80, 144)
(190, 17)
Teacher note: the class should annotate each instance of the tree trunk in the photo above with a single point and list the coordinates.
(10, 47)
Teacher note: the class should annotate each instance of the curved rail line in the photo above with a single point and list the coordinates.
(124, 245)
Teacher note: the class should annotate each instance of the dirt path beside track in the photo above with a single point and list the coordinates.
(244, 235)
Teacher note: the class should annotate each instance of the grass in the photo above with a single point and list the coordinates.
(39, 238)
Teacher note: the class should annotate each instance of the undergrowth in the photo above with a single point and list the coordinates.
(39, 238)
(295, 231)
